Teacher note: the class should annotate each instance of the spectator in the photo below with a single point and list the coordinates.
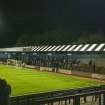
(57, 65)
(90, 65)
(94, 67)
(53, 65)
(5, 91)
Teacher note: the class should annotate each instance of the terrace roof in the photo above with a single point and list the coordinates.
(58, 48)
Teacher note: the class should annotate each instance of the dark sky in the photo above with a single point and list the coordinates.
(19, 17)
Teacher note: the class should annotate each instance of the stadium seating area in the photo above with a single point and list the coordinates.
(70, 57)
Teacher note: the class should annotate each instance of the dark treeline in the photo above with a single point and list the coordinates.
(60, 36)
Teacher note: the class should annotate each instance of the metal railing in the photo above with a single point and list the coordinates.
(81, 96)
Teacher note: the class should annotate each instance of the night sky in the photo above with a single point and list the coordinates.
(18, 17)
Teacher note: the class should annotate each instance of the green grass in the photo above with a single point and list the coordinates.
(26, 81)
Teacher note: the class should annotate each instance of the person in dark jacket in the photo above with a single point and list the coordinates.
(5, 91)
(90, 65)
(94, 67)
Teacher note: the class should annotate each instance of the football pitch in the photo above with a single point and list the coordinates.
(27, 81)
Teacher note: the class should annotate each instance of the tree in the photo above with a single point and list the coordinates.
(92, 38)
(52, 37)
(23, 40)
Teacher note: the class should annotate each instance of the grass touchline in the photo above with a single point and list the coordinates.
(25, 81)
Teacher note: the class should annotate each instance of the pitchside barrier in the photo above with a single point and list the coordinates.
(78, 73)
(82, 96)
